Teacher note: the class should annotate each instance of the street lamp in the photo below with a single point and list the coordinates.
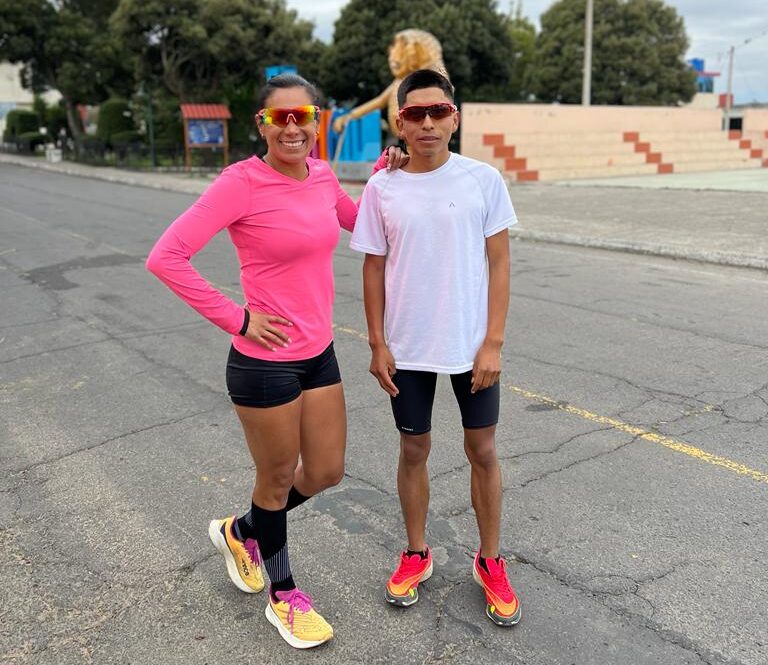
(729, 93)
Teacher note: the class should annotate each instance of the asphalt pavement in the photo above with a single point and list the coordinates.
(688, 216)
(632, 444)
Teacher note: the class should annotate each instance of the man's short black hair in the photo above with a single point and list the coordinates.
(423, 78)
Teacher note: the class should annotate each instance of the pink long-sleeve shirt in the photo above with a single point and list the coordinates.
(284, 232)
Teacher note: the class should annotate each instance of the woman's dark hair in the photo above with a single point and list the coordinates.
(423, 78)
(288, 81)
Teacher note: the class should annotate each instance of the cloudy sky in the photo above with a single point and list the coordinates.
(712, 25)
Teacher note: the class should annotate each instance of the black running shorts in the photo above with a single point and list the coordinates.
(412, 407)
(263, 383)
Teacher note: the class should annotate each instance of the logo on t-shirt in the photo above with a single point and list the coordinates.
(451, 205)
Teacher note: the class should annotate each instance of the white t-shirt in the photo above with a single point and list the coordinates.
(432, 229)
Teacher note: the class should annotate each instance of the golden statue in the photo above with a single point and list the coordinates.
(410, 50)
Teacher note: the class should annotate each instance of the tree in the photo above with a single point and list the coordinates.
(637, 54)
(211, 51)
(478, 47)
(524, 39)
(198, 48)
(63, 46)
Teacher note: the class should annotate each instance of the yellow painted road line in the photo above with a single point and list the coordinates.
(639, 432)
(351, 331)
(642, 433)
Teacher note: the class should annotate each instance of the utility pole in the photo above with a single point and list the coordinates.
(730, 89)
(586, 84)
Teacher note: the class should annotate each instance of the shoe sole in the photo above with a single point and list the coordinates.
(220, 543)
(512, 621)
(407, 601)
(294, 641)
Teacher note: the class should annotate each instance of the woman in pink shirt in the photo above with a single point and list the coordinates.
(283, 214)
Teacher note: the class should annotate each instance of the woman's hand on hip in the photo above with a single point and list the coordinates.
(264, 330)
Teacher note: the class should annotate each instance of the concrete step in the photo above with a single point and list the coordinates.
(570, 160)
(759, 140)
(595, 172)
(560, 138)
(581, 149)
(693, 145)
(693, 166)
(725, 156)
(685, 136)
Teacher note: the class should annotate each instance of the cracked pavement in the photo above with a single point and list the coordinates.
(118, 445)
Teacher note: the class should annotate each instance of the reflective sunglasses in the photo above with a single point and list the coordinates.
(417, 113)
(301, 115)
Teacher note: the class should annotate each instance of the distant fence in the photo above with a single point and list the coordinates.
(138, 156)
(167, 157)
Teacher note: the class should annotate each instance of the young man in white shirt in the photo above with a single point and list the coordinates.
(436, 288)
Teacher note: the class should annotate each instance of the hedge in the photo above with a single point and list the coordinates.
(28, 141)
(20, 121)
(124, 139)
(114, 118)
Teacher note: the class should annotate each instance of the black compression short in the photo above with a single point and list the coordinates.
(264, 383)
(412, 407)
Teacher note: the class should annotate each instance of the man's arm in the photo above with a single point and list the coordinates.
(487, 367)
(382, 361)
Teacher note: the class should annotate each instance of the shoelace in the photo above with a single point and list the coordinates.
(408, 566)
(498, 574)
(297, 600)
(252, 547)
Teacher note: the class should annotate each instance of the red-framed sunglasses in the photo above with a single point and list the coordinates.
(418, 112)
(302, 115)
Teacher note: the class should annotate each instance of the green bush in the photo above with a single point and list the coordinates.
(125, 139)
(169, 126)
(40, 107)
(19, 121)
(56, 120)
(28, 141)
(92, 144)
(114, 118)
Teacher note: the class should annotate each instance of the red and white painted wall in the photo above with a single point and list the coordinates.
(530, 142)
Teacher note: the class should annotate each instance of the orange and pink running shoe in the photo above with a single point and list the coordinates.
(403, 587)
(503, 607)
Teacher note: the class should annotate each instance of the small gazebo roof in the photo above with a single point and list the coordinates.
(205, 112)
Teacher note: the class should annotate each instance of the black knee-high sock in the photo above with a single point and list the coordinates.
(244, 526)
(295, 498)
(271, 531)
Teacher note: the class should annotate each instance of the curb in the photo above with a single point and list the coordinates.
(169, 183)
(107, 174)
(649, 249)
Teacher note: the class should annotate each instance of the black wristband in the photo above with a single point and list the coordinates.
(246, 321)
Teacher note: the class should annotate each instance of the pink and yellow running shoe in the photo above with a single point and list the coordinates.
(242, 558)
(502, 607)
(296, 619)
(403, 587)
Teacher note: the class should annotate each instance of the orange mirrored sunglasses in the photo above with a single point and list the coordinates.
(301, 115)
